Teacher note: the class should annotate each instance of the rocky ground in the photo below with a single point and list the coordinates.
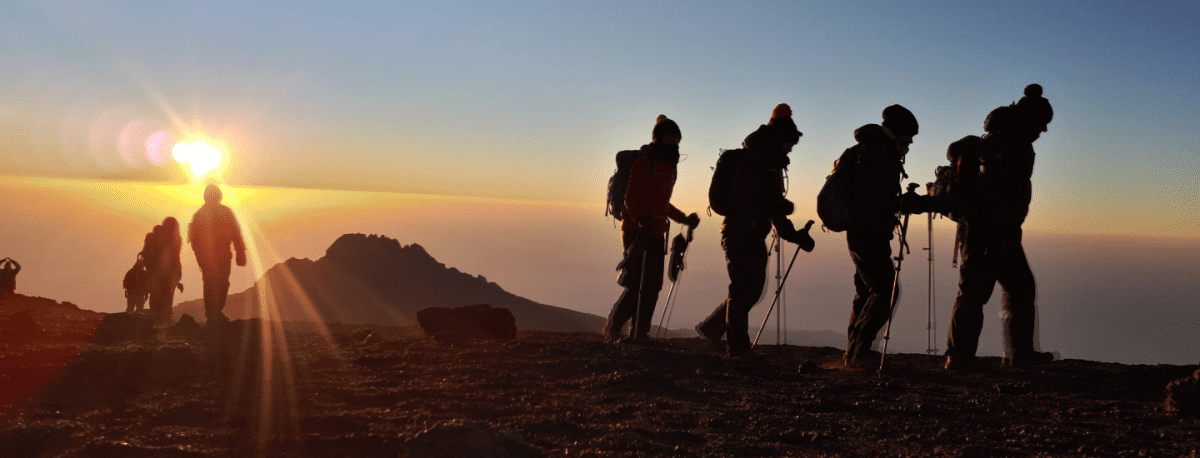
(255, 389)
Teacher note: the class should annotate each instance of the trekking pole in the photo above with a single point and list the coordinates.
(777, 291)
(931, 319)
(887, 333)
(637, 316)
(670, 293)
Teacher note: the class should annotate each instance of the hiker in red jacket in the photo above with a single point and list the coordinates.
(643, 232)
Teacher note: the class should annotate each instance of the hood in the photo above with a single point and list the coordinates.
(765, 143)
(870, 133)
(662, 153)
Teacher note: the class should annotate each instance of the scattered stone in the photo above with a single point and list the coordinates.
(117, 328)
(482, 322)
(1183, 396)
(470, 440)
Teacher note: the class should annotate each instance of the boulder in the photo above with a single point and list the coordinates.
(1183, 396)
(473, 322)
(187, 327)
(469, 440)
(117, 328)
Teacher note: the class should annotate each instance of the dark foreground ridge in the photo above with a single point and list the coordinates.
(393, 392)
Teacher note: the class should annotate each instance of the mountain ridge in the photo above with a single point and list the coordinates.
(373, 279)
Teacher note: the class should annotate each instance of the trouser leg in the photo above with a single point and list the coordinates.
(874, 277)
(1020, 292)
(644, 251)
(746, 262)
(714, 325)
(215, 275)
(977, 280)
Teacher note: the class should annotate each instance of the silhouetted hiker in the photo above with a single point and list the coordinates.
(9, 268)
(136, 284)
(748, 190)
(874, 202)
(163, 269)
(212, 230)
(990, 233)
(644, 229)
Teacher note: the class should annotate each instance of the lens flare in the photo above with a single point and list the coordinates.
(201, 157)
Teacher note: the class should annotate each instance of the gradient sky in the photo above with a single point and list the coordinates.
(529, 101)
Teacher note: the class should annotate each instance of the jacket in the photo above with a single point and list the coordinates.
(651, 183)
(875, 198)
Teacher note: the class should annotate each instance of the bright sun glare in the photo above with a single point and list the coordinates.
(201, 157)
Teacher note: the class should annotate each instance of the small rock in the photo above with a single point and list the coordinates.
(809, 367)
(473, 322)
(187, 327)
(117, 328)
(1183, 396)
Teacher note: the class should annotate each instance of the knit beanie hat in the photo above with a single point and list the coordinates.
(899, 120)
(664, 126)
(1035, 108)
(781, 120)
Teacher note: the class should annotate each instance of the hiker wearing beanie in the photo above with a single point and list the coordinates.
(212, 232)
(644, 229)
(748, 190)
(874, 203)
(991, 234)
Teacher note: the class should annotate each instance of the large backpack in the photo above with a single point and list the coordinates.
(618, 184)
(833, 201)
(953, 183)
(135, 279)
(720, 191)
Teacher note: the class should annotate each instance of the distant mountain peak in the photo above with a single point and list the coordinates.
(358, 248)
(374, 279)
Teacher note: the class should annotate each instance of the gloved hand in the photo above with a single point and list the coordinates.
(782, 207)
(692, 220)
(802, 238)
(241, 259)
(911, 202)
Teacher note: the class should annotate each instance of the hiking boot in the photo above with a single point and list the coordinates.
(610, 335)
(713, 337)
(747, 355)
(964, 364)
(1031, 358)
(860, 360)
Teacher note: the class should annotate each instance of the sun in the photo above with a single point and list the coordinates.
(199, 156)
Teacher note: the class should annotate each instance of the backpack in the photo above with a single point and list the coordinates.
(135, 280)
(953, 183)
(619, 183)
(833, 201)
(720, 191)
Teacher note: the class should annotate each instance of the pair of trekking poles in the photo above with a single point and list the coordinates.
(669, 306)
